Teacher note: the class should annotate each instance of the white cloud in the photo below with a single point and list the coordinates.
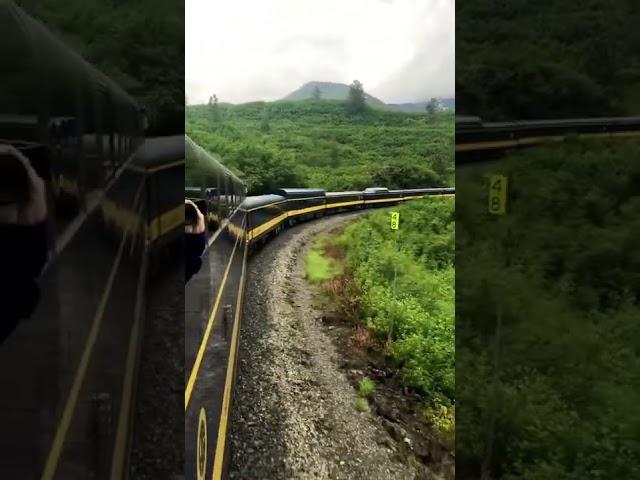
(243, 50)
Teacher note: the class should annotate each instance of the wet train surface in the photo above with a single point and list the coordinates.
(214, 295)
(67, 365)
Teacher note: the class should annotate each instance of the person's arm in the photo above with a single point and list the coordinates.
(195, 243)
(33, 210)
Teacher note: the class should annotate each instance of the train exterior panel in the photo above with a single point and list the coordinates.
(342, 201)
(265, 214)
(303, 203)
(380, 197)
(481, 141)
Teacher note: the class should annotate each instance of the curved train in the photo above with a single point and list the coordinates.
(213, 296)
(110, 213)
(478, 141)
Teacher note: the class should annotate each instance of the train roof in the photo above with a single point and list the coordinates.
(337, 194)
(160, 151)
(376, 190)
(260, 201)
(300, 192)
(427, 190)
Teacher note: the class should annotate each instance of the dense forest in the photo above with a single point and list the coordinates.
(547, 309)
(319, 143)
(547, 59)
(140, 45)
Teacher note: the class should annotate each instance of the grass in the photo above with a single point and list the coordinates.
(320, 267)
(362, 405)
(366, 387)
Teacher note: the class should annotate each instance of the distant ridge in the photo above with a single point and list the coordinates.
(340, 91)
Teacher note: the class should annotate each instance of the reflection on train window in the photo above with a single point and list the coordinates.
(219, 188)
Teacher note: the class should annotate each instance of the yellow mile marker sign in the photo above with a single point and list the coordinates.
(395, 220)
(497, 194)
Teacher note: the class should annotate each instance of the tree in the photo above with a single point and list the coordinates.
(316, 93)
(214, 109)
(432, 107)
(264, 123)
(355, 100)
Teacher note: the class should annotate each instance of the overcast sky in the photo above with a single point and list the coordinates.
(246, 50)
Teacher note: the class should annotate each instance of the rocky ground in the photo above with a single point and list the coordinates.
(293, 415)
(158, 442)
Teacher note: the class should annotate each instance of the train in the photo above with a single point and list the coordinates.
(214, 295)
(477, 140)
(70, 364)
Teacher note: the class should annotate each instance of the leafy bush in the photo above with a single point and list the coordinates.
(413, 309)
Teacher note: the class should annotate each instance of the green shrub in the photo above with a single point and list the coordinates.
(362, 405)
(366, 387)
(417, 316)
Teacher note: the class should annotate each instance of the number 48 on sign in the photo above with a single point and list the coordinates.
(395, 220)
(497, 194)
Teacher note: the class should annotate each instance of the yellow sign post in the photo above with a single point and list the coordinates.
(497, 194)
(395, 220)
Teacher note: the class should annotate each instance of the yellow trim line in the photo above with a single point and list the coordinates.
(218, 462)
(205, 338)
(121, 446)
(383, 200)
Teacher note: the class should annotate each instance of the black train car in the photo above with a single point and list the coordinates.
(303, 203)
(341, 201)
(266, 214)
(69, 396)
(380, 197)
(411, 193)
(161, 161)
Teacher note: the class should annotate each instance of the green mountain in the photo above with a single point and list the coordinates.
(330, 91)
(340, 91)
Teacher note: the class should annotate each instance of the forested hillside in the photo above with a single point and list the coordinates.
(138, 44)
(523, 59)
(318, 143)
(547, 309)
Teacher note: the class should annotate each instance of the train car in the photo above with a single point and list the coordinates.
(266, 216)
(343, 201)
(161, 160)
(302, 203)
(479, 141)
(68, 411)
(412, 193)
(380, 197)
